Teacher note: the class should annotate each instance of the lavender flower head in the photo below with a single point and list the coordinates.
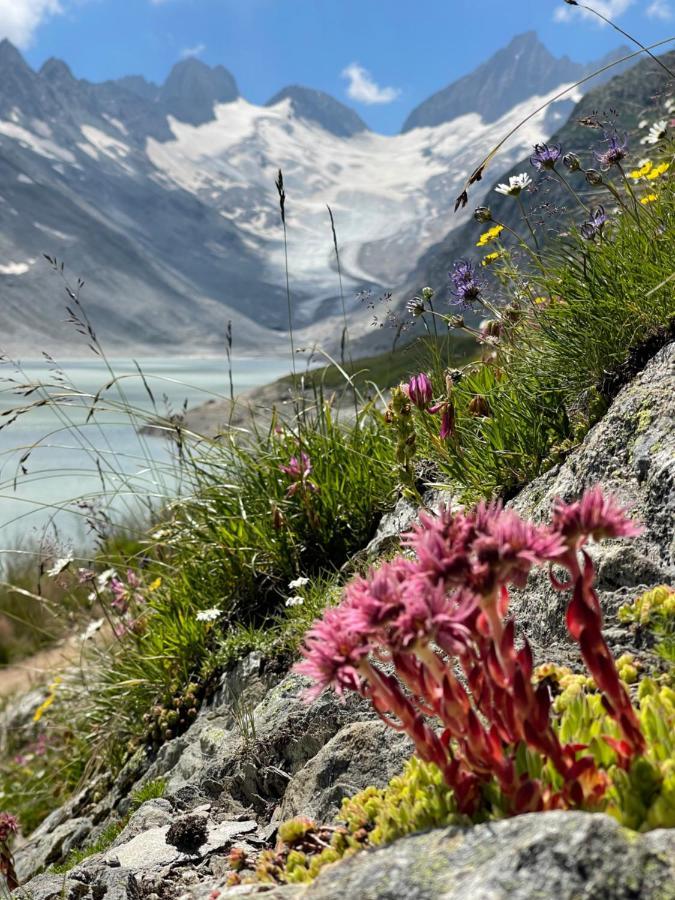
(466, 286)
(545, 157)
(591, 229)
(615, 152)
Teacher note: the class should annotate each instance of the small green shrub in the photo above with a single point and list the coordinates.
(655, 611)
(151, 790)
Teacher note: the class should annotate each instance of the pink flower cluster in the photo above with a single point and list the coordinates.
(428, 640)
(298, 471)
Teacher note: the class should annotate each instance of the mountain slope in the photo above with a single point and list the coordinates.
(636, 95)
(503, 81)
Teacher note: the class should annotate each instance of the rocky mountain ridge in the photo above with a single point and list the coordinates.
(162, 199)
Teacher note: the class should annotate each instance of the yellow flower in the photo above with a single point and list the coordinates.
(490, 235)
(51, 696)
(490, 258)
(157, 583)
(539, 300)
(658, 171)
(649, 198)
(642, 171)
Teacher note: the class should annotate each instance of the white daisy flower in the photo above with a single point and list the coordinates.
(59, 566)
(517, 183)
(670, 104)
(295, 601)
(298, 583)
(105, 576)
(208, 615)
(656, 133)
(91, 629)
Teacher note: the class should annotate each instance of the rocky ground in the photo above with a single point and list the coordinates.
(244, 776)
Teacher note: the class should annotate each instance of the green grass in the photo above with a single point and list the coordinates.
(565, 329)
(385, 370)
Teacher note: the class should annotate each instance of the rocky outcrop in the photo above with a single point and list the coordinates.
(258, 753)
(547, 856)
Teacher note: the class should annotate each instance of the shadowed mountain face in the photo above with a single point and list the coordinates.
(162, 198)
(319, 107)
(192, 90)
(523, 68)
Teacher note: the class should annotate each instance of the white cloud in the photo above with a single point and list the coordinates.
(197, 50)
(363, 88)
(610, 8)
(20, 18)
(660, 9)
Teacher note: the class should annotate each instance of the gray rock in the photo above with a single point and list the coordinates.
(542, 856)
(94, 884)
(50, 846)
(360, 754)
(631, 453)
(150, 850)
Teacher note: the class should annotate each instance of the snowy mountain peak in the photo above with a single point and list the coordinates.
(510, 76)
(162, 197)
(317, 106)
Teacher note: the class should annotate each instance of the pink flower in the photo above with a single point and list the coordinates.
(120, 600)
(447, 411)
(442, 544)
(595, 515)
(507, 547)
(8, 827)
(419, 390)
(333, 652)
(299, 470)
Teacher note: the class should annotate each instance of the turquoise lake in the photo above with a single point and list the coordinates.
(71, 459)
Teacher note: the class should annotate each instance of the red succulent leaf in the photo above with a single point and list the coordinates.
(579, 617)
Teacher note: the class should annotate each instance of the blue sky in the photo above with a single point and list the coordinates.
(380, 56)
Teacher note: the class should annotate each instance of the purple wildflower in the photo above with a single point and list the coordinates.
(615, 152)
(466, 286)
(419, 390)
(594, 226)
(545, 157)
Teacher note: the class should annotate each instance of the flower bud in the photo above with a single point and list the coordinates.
(593, 177)
(483, 214)
(419, 390)
(479, 407)
(572, 162)
(428, 294)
